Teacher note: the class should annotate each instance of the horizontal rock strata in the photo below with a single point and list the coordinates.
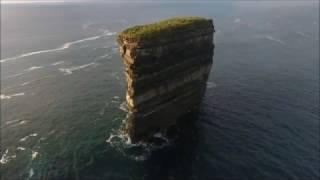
(166, 73)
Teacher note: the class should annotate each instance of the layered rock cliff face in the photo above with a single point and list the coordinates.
(166, 67)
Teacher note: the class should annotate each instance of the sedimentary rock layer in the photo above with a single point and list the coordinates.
(166, 68)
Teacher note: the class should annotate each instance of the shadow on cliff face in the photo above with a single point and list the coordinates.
(175, 161)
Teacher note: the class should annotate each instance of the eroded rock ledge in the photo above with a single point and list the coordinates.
(166, 67)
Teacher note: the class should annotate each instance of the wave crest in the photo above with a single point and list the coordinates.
(63, 47)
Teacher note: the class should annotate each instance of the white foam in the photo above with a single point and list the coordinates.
(69, 44)
(108, 33)
(26, 137)
(128, 141)
(117, 138)
(6, 157)
(63, 47)
(65, 71)
(271, 38)
(15, 75)
(25, 83)
(34, 154)
(22, 122)
(123, 106)
(140, 158)
(16, 122)
(33, 68)
(57, 63)
(30, 54)
(68, 71)
(211, 85)
(302, 34)
(21, 148)
(158, 135)
(13, 121)
(103, 57)
(18, 94)
(3, 96)
(31, 173)
(142, 150)
(161, 136)
(109, 140)
(33, 135)
(51, 132)
(138, 151)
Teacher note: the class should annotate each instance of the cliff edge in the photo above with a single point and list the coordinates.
(167, 64)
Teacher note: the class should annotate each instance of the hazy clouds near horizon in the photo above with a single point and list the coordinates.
(180, 1)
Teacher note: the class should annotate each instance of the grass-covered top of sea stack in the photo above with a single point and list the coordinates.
(164, 29)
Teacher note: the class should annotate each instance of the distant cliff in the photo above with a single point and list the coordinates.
(166, 67)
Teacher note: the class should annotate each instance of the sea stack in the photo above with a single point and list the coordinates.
(167, 64)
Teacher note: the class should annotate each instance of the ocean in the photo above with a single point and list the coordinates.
(63, 93)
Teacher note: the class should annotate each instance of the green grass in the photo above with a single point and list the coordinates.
(164, 28)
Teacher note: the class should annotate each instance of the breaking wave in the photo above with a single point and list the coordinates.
(271, 38)
(21, 148)
(68, 71)
(122, 143)
(61, 48)
(34, 68)
(108, 33)
(3, 96)
(16, 122)
(139, 151)
(27, 137)
(57, 63)
(124, 107)
(106, 56)
(25, 83)
(5, 158)
(24, 72)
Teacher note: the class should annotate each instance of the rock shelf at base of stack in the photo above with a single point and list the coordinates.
(166, 67)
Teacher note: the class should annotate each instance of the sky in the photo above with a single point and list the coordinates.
(260, 3)
(157, 0)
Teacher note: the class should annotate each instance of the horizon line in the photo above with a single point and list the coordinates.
(145, 1)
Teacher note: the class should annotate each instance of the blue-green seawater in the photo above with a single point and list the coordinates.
(62, 86)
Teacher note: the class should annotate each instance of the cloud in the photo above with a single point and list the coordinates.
(273, 3)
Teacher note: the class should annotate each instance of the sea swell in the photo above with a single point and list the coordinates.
(61, 48)
(68, 71)
(3, 96)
